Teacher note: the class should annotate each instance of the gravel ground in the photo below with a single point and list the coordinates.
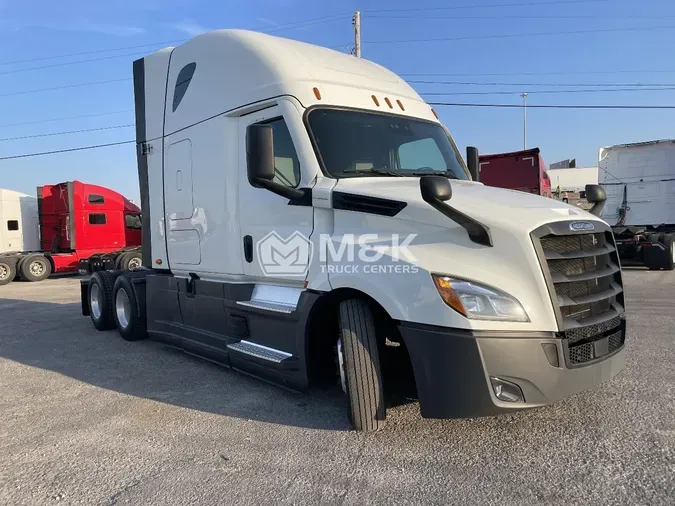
(87, 418)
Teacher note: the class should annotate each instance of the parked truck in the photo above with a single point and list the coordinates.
(69, 227)
(305, 212)
(639, 180)
(519, 170)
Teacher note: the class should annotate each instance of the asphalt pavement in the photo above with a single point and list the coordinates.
(87, 418)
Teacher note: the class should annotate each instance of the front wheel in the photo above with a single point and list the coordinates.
(359, 361)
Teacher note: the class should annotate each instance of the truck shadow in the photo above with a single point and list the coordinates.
(57, 338)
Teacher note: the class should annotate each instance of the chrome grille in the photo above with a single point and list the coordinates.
(584, 278)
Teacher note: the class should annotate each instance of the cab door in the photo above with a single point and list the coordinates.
(274, 232)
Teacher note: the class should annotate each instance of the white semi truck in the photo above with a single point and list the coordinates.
(639, 181)
(304, 210)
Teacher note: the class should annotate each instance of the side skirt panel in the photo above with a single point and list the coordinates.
(204, 318)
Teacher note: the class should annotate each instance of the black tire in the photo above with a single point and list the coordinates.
(35, 268)
(361, 359)
(7, 272)
(650, 262)
(129, 318)
(101, 309)
(669, 243)
(130, 260)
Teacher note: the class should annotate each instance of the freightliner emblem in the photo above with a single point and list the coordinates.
(577, 226)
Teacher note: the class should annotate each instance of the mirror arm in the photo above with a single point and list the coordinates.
(597, 208)
(280, 189)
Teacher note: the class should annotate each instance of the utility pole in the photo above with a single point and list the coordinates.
(356, 21)
(524, 96)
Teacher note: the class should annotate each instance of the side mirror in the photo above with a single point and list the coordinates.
(435, 191)
(260, 153)
(596, 195)
(473, 163)
(260, 162)
(435, 188)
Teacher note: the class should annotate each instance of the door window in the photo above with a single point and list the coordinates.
(286, 163)
(97, 219)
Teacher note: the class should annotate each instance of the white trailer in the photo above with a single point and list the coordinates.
(573, 180)
(639, 180)
(304, 209)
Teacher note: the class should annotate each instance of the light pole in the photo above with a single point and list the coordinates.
(524, 96)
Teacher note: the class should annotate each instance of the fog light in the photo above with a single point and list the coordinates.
(507, 391)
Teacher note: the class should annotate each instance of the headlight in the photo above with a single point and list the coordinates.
(477, 301)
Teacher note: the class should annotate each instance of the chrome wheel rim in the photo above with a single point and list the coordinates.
(95, 301)
(134, 263)
(122, 308)
(341, 365)
(4, 272)
(37, 268)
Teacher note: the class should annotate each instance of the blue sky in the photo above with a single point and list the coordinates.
(593, 49)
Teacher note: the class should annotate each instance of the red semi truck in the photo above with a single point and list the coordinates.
(519, 170)
(70, 227)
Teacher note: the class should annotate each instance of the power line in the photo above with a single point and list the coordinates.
(84, 53)
(65, 118)
(550, 106)
(558, 73)
(521, 16)
(553, 85)
(482, 6)
(514, 35)
(51, 134)
(69, 150)
(287, 26)
(543, 92)
(77, 62)
(78, 85)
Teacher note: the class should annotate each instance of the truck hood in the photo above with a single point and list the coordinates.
(494, 207)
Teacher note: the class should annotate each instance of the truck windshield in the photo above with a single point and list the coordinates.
(363, 144)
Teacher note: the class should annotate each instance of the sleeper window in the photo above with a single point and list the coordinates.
(12, 225)
(97, 219)
(182, 83)
(286, 163)
(96, 199)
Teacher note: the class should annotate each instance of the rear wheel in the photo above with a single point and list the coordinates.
(129, 319)
(130, 260)
(100, 300)
(7, 272)
(35, 268)
(359, 362)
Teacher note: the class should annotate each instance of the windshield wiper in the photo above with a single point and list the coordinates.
(379, 172)
(449, 174)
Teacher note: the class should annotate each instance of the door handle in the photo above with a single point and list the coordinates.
(248, 248)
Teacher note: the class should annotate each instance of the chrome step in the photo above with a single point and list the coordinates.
(260, 351)
(267, 306)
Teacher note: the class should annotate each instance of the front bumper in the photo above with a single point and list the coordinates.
(453, 367)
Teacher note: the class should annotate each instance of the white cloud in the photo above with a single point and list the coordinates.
(189, 27)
